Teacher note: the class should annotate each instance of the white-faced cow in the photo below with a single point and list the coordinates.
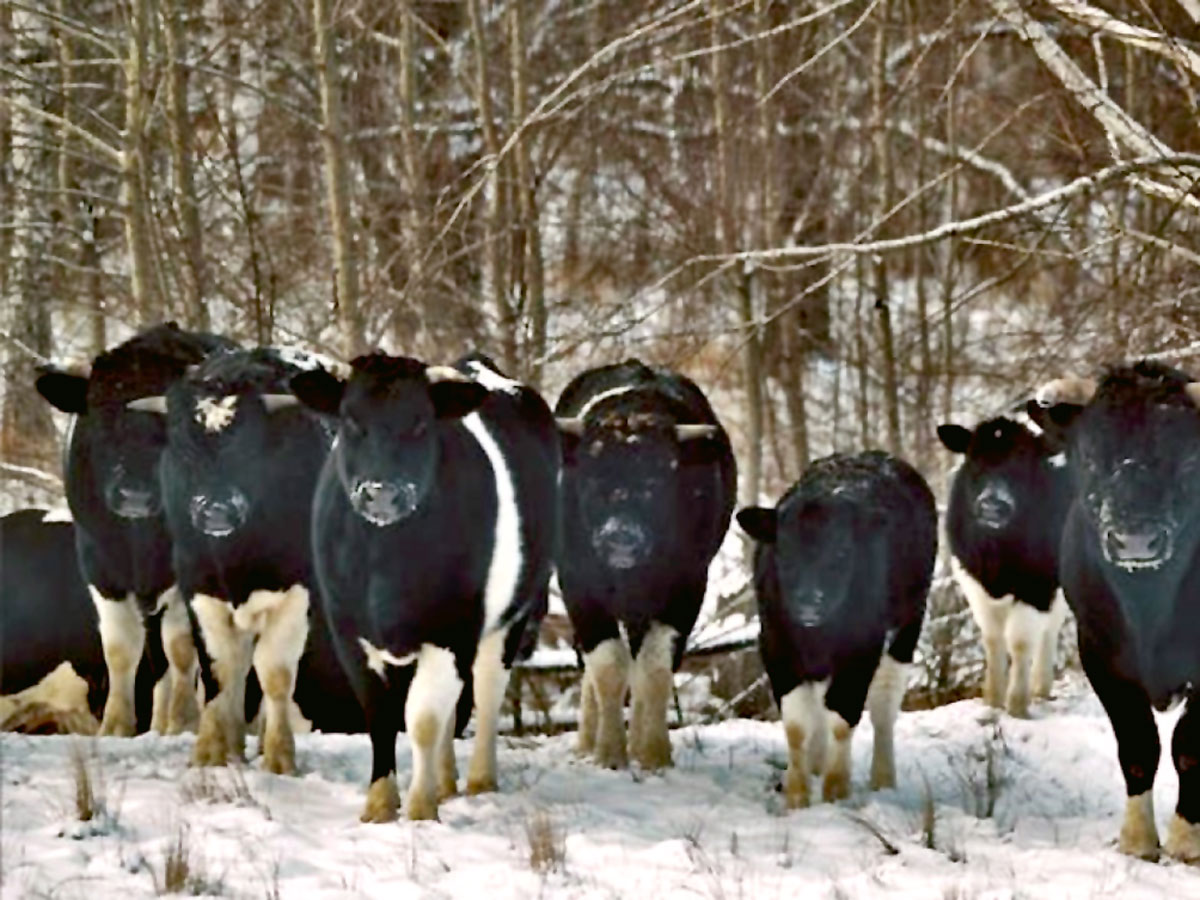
(112, 487)
(434, 529)
(238, 475)
(46, 615)
(841, 571)
(1130, 569)
(1008, 501)
(649, 484)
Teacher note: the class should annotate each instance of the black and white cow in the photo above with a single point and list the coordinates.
(1130, 569)
(112, 487)
(1008, 501)
(649, 485)
(434, 530)
(841, 571)
(238, 475)
(46, 614)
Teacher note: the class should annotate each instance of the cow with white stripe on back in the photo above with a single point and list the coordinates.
(434, 525)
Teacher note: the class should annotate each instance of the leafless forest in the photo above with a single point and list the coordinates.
(847, 220)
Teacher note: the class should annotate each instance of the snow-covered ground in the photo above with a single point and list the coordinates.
(1019, 809)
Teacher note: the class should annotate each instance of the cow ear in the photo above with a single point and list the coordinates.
(954, 438)
(455, 399)
(759, 522)
(319, 391)
(63, 390)
(1054, 420)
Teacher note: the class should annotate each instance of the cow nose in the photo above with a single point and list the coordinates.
(1138, 546)
(384, 502)
(130, 502)
(994, 506)
(623, 542)
(219, 516)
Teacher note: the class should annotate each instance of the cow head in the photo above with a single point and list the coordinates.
(117, 448)
(390, 414)
(818, 542)
(1134, 452)
(1005, 471)
(625, 468)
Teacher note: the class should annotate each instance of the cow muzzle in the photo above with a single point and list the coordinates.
(132, 500)
(219, 516)
(384, 502)
(1138, 545)
(995, 506)
(621, 542)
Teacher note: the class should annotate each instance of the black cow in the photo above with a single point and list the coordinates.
(649, 485)
(112, 488)
(841, 571)
(1008, 501)
(1130, 569)
(46, 614)
(433, 528)
(238, 476)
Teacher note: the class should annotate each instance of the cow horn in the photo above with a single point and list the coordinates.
(435, 374)
(1072, 389)
(273, 402)
(156, 404)
(691, 432)
(81, 368)
(1193, 392)
(572, 426)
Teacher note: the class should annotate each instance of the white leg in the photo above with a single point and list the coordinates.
(280, 622)
(123, 637)
(447, 774)
(837, 773)
(607, 667)
(883, 702)
(1183, 840)
(806, 725)
(182, 712)
(491, 680)
(587, 715)
(161, 699)
(1139, 835)
(1023, 634)
(431, 700)
(650, 741)
(990, 615)
(222, 732)
(1043, 663)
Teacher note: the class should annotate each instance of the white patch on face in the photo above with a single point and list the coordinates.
(58, 514)
(603, 395)
(216, 415)
(378, 658)
(493, 380)
(505, 567)
(1058, 461)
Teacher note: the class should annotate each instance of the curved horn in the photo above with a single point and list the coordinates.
(272, 402)
(157, 404)
(691, 432)
(1193, 392)
(1072, 389)
(434, 374)
(570, 426)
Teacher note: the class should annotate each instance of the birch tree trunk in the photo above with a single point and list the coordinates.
(133, 165)
(337, 186)
(419, 213)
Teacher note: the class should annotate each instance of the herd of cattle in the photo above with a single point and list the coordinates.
(375, 543)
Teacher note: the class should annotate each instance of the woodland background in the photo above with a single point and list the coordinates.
(848, 221)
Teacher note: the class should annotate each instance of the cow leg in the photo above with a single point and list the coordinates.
(1023, 634)
(1183, 833)
(431, 701)
(650, 741)
(607, 666)
(382, 709)
(123, 638)
(990, 615)
(1138, 749)
(491, 680)
(883, 701)
(280, 622)
(447, 775)
(181, 712)
(222, 732)
(845, 700)
(1043, 661)
(587, 715)
(806, 725)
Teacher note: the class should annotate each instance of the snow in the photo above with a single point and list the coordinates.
(712, 826)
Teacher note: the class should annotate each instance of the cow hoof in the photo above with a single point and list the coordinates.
(611, 758)
(652, 759)
(1183, 840)
(835, 787)
(279, 755)
(1139, 846)
(211, 747)
(1019, 710)
(481, 786)
(882, 779)
(383, 801)
(117, 726)
(421, 807)
(795, 790)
